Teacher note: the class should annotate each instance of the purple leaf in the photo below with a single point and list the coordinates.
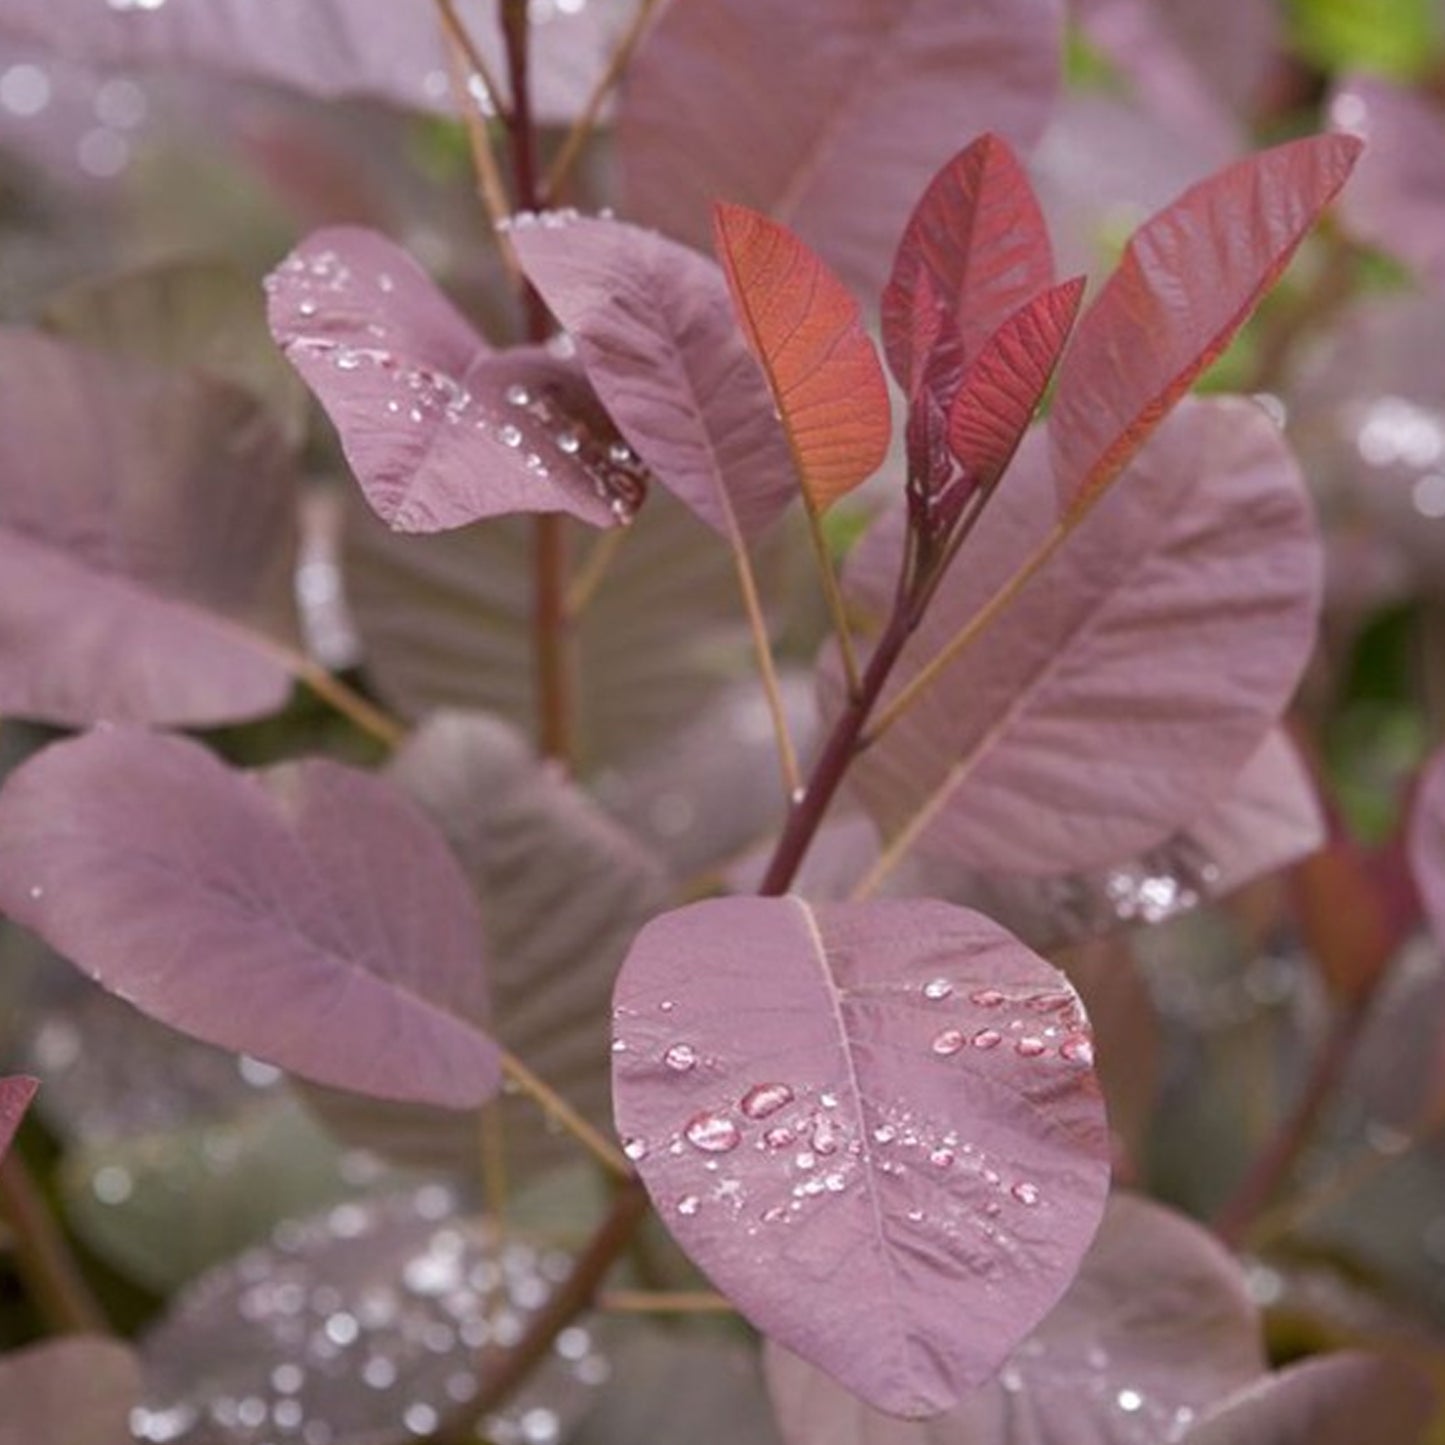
(1427, 843)
(977, 239)
(830, 116)
(307, 916)
(1338, 1399)
(146, 529)
(79, 1391)
(654, 327)
(1157, 1325)
(440, 430)
(890, 1102)
(1189, 279)
(15, 1096)
(1129, 682)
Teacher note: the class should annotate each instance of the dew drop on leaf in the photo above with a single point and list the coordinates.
(712, 1133)
(949, 1042)
(681, 1058)
(764, 1099)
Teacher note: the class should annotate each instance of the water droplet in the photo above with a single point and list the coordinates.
(518, 395)
(635, 1149)
(1078, 1050)
(950, 1041)
(1130, 1401)
(510, 436)
(764, 1099)
(420, 1419)
(688, 1205)
(569, 442)
(987, 1039)
(1030, 1047)
(825, 1137)
(712, 1133)
(681, 1058)
(1026, 1193)
(988, 998)
(937, 988)
(885, 1134)
(941, 1158)
(1011, 1379)
(36, 891)
(779, 1138)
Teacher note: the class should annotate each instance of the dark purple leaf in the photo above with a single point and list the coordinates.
(1156, 1327)
(146, 528)
(654, 327)
(831, 115)
(1427, 843)
(1129, 682)
(976, 249)
(306, 916)
(1339, 1399)
(15, 1096)
(77, 1391)
(890, 1102)
(440, 430)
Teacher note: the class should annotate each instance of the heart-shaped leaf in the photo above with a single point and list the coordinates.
(1427, 843)
(655, 329)
(146, 535)
(308, 917)
(831, 115)
(1189, 279)
(15, 1096)
(891, 1102)
(806, 332)
(1129, 682)
(80, 1391)
(979, 239)
(440, 430)
(1156, 1327)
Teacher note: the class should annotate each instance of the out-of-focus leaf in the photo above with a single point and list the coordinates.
(562, 890)
(439, 429)
(979, 238)
(377, 1318)
(1129, 682)
(205, 316)
(655, 329)
(1156, 1327)
(1340, 1399)
(1189, 280)
(846, 1102)
(307, 916)
(147, 527)
(1427, 843)
(15, 1096)
(78, 1391)
(821, 366)
(1398, 37)
(830, 116)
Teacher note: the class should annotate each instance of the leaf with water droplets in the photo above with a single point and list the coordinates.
(1337, 1399)
(1128, 683)
(655, 330)
(1427, 843)
(807, 334)
(307, 916)
(79, 1390)
(147, 529)
(830, 115)
(1190, 278)
(440, 430)
(15, 1096)
(1155, 1328)
(824, 1149)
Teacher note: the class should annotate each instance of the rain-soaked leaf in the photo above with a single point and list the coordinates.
(439, 429)
(830, 115)
(1189, 279)
(15, 1096)
(77, 1391)
(1339, 1399)
(371, 1324)
(1155, 1328)
(821, 366)
(307, 916)
(146, 529)
(1427, 843)
(562, 890)
(891, 1102)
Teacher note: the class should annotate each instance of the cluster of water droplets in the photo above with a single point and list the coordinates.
(367, 1321)
(1395, 432)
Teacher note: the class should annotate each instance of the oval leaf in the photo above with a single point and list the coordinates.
(310, 919)
(1427, 844)
(79, 1391)
(15, 1096)
(147, 530)
(831, 115)
(822, 368)
(439, 430)
(1189, 279)
(979, 238)
(655, 329)
(1129, 682)
(889, 1101)
(1158, 1325)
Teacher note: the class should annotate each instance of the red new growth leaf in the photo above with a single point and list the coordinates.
(805, 329)
(978, 241)
(15, 1097)
(1189, 280)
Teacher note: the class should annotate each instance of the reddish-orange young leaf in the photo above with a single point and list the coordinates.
(1004, 385)
(804, 328)
(1190, 277)
(978, 240)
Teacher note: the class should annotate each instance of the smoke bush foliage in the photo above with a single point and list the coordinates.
(721, 723)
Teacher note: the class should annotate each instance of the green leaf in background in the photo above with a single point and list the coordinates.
(1399, 38)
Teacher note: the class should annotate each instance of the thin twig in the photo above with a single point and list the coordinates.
(594, 567)
(767, 668)
(460, 39)
(650, 1302)
(557, 1108)
(492, 1139)
(566, 158)
(371, 719)
(833, 596)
